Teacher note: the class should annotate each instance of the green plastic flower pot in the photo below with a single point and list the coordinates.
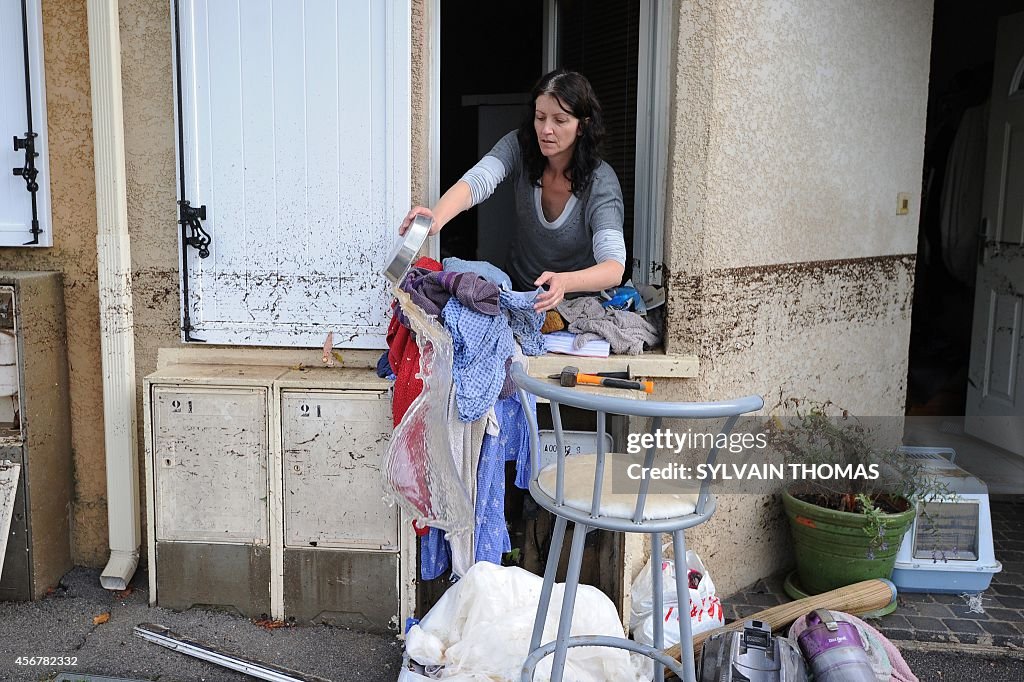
(832, 550)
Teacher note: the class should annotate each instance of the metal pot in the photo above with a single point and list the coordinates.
(405, 249)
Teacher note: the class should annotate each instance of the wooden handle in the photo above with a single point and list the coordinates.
(868, 595)
(612, 382)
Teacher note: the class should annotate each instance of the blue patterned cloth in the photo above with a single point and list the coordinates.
(480, 267)
(512, 443)
(384, 367)
(435, 555)
(524, 320)
(481, 345)
(491, 538)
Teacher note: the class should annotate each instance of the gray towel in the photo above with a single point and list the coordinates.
(626, 332)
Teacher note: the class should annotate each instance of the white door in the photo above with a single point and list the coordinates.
(17, 212)
(995, 394)
(295, 131)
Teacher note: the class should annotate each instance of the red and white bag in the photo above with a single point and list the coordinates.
(705, 606)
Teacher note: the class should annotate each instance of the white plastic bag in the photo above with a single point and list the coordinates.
(418, 468)
(705, 608)
(480, 630)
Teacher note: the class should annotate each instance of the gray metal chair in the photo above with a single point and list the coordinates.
(603, 508)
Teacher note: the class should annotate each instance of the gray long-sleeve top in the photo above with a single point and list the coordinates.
(588, 231)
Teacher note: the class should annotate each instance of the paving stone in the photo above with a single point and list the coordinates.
(999, 628)
(1008, 590)
(747, 610)
(966, 627)
(933, 610)
(916, 598)
(1008, 578)
(1005, 642)
(926, 624)
(899, 634)
(1000, 579)
(1004, 614)
(947, 598)
(926, 636)
(894, 621)
(733, 611)
(963, 611)
(763, 600)
(1011, 602)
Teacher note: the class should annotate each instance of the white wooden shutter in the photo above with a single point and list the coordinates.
(15, 200)
(295, 129)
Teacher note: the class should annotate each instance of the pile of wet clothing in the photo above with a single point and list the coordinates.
(491, 326)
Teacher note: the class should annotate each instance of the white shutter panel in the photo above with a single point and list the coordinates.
(295, 129)
(15, 200)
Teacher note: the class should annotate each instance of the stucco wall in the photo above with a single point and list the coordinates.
(794, 126)
(148, 92)
(150, 159)
(72, 186)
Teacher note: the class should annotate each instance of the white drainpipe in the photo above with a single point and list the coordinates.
(117, 325)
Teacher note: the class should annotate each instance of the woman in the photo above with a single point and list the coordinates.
(568, 202)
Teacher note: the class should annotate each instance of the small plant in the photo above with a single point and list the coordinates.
(876, 481)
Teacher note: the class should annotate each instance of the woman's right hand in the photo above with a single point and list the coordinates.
(415, 211)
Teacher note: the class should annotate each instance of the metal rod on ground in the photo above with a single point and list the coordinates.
(867, 595)
(158, 634)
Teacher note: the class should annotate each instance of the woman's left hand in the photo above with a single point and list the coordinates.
(558, 284)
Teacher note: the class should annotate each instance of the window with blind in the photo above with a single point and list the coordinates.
(600, 39)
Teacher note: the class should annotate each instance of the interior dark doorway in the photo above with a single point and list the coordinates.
(600, 39)
(491, 55)
(963, 49)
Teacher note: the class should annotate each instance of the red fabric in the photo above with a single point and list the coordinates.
(404, 357)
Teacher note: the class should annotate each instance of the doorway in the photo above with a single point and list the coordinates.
(491, 56)
(944, 333)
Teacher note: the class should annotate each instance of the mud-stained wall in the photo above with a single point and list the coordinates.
(794, 127)
(73, 196)
(148, 95)
(419, 99)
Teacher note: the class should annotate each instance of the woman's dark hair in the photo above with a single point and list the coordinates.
(575, 97)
